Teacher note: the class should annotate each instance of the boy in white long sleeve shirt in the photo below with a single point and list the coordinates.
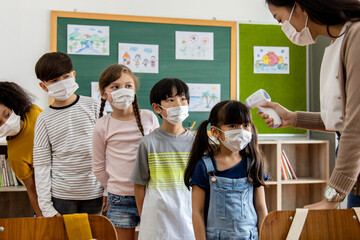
(64, 180)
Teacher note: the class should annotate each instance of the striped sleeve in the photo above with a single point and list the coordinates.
(42, 168)
(42, 148)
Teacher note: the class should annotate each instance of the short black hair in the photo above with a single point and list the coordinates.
(15, 98)
(164, 89)
(53, 65)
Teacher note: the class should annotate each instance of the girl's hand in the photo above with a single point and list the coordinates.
(288, 118)
(105, 204)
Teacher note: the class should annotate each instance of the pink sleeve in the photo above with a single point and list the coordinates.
(99, 154)
(155, 122)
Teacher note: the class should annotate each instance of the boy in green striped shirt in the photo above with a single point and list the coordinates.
(162, 199)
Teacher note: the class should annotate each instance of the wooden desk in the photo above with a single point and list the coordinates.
(52, 228)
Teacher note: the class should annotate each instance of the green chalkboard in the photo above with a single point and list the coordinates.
(287, 89)
(158, 31)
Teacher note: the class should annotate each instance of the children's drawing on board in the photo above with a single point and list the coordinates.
(203, 96)
(273, 60)
(141, 58)
(194, 45)
(88, 40)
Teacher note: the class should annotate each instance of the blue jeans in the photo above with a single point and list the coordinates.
(92, 206)
(122, 211)
(353, 201)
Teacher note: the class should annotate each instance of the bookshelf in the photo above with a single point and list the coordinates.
(14, 201)
(310, 161)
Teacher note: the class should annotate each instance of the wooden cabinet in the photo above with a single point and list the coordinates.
(14, 201)
(310, 161)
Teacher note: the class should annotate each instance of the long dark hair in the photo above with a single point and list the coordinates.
(227, 112)
(15, 98)
(325, 12)
(111, 74)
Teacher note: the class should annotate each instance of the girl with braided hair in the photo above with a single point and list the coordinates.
(115, 143)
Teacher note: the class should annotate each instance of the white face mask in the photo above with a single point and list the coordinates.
(62, 90)
(122, 98)
(11, 127)
(299, 38)
(236, 140)
(176, 115)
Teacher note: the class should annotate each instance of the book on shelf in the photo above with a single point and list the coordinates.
(286, 168)
(7, 177)
(289, 165)
(285, 176)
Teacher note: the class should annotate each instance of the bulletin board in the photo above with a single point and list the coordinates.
(288, 89)
(157, 31)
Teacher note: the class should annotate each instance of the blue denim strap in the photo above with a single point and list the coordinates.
(208, 164)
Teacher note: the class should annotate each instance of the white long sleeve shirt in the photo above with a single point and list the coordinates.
(62, 154)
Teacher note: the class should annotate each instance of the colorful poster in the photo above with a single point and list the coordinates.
(88, 40)
(203, 96)
(140, 58)
(273, 60)
(95, 93)
(194, 45)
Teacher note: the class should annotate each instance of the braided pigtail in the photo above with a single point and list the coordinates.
(137, 114)
(102, 107)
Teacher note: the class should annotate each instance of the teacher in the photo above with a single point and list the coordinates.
(302, 22)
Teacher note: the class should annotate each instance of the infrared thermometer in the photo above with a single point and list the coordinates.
(259, 97)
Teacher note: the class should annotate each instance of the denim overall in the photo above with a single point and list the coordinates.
(231, 213)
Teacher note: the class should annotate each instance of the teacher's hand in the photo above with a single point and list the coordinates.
(288, 118)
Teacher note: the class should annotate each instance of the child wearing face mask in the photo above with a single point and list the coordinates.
(17, 121)
(115, 143)
(162, 199)
(64, 180)
(227, 176)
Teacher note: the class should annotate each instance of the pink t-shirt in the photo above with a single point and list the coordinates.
(114, 147)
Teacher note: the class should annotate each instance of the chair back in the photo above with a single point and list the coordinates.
(52, 228)
(319, 224)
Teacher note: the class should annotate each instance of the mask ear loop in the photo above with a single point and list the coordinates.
(292, 11)
(165, 110)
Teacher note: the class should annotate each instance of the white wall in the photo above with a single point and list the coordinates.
(25, 26)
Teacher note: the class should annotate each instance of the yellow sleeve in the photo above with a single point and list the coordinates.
(20, 149)
(20, 165)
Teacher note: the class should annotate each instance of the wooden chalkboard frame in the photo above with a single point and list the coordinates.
(114, 17)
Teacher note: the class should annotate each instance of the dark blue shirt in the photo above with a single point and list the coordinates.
(200, 177)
